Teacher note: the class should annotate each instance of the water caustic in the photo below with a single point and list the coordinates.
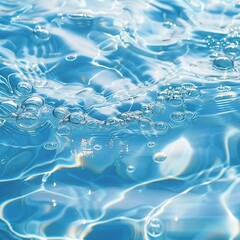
(119, 118)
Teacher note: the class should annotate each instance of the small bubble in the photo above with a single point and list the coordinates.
(161, 127)
(50, 146)
(176, 101)
(60, 112)
(232, 51)
(151, 144)
(158, 108)
(223, 63)
(63, 130)
(27, 120)
(24, 88)
(41, 34)
(97, 147)
(33, 103)
(130, 168)
(71, 57)
(77, 118)
(7, 108)
(159, 157)
(177, 116)
(154, 228)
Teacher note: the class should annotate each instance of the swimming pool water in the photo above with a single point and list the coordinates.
(119, 119)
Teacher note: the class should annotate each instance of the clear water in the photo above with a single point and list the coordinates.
(119, 119)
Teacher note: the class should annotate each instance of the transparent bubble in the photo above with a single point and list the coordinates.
(130, 168)
(60, 112)
(77, 118)
(71, 57)
(159, 157)
(63, 130)
(97, 147)
(27, 120)
(223, 63)
(232, 51)
(24, 88)
(177, 116)
(7, 108)
(50, 145)
(161, 127)
(34, 102)
(155, 228)
(41, 34)
(151, 144)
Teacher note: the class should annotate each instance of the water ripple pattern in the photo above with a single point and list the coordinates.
(119, 119)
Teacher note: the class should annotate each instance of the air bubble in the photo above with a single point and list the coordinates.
(24, 88)
(77, 118)
(177, 116)
(60, 112)
(7, 108)
(223, 63)
(33, 103)
(41, 34)
(50, 146)
(27, 120)
(155, 228)
(151, 144)
(130, 168)
(71, 57)
(159, 157)
(161, 127)
(97, 147)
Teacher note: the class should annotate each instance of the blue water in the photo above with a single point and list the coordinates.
(119, 119)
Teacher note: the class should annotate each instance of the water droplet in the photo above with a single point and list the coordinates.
(155, 228)
(41, 34)
(33, 103)
(232, 51)
(177, 116)
(161, 127)
(71, 57)
(27, 120)
(130, 168)
(77, 118)
(60, 112)
(63, 130)
(97, 147)
(223, 63)
(7, 108)
(24, 88)
(51, 145)
(159, 157)
(151, 144)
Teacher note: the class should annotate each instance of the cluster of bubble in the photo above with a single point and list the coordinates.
(227, 48)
